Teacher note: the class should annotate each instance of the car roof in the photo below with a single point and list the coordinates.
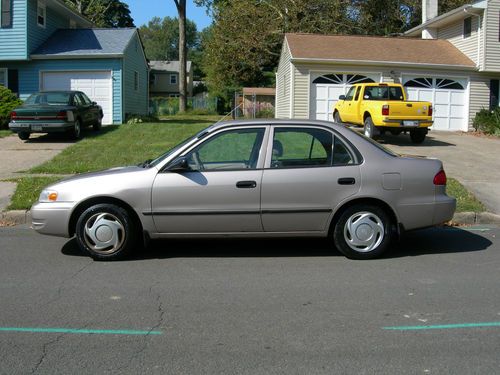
(59, 91)
(288, 122)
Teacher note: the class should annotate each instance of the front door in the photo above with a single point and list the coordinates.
(309, 173)
(221, 191)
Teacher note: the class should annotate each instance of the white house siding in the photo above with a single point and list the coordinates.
(283, 84)
(492, 36)
(301, 89)
(454, 34)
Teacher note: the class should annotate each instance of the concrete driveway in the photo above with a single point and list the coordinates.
(473, 160)
(17, 156)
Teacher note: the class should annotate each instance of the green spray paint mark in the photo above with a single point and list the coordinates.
(80, 331)
(443, 326)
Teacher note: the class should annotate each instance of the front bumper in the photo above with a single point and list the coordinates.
(42, 127)
(52, 218)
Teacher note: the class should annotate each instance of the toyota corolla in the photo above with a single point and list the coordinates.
(262, 178)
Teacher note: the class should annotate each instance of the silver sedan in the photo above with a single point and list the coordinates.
(264, 178)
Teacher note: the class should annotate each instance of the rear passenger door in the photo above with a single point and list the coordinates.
(308, 172)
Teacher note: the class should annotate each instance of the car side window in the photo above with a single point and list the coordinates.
(77, 100)
(350, 93)
(356, 97)
(341, 153)
(84, 98)
(301, 147)
(232, 149)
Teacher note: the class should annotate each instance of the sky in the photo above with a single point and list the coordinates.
(143, 10)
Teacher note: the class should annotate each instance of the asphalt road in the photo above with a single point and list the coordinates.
(252, 307)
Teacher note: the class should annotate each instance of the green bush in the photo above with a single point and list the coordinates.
(487, 121)
(265, 113)
(8, 101)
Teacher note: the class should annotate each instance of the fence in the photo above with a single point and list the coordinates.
(170, 106)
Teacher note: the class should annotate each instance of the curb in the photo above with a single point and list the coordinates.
(16, 217)
(460, 218)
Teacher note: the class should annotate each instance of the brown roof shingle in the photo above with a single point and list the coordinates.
(379, 49)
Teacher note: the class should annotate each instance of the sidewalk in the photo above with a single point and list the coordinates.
(473, 160)
(17, 156)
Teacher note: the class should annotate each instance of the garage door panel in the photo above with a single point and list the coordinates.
(441, 110)
(442, 97)
(457, 98)
(96, 85)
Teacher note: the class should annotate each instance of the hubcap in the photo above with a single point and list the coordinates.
(367, 129)
(364, 232)
(77, 129)
(104, 233)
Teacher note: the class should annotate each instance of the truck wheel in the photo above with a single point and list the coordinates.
(23, 136)
(370, 130)
(418, 135)
(336, 117)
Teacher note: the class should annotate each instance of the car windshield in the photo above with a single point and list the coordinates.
(159, 159)
(375, 143)
(49, 98)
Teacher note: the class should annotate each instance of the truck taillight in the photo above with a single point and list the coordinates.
(385, 110)
(62, 115)
(430, 111)
(13, 115)
(440, 178)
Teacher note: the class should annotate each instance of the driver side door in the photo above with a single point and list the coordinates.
(219, 192)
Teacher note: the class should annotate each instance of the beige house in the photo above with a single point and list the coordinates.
(164, 78)
(452, 61)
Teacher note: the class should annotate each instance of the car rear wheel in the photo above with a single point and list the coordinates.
(418, 135)
(106, 232)
(363, 232)
(24, 136)
(370, 130)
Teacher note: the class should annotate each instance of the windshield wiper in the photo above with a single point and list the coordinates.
(145, 164)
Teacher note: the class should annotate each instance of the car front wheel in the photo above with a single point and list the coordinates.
(98, 123)
(363, 232)
(76, 132)
(336, 117)
(106, 232)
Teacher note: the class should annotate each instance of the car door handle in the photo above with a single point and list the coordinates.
(246, 184)
(346, 181)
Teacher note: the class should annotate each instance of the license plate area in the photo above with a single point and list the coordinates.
(36, 128)
(410, 123)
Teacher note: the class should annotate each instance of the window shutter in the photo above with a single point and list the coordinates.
(494, 85)
(13, 81)
(6, 13)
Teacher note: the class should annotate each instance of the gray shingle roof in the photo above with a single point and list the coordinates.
(84, 42)
(167, 66)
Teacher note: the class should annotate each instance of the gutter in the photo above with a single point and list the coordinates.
(72, 57)
(383, 63)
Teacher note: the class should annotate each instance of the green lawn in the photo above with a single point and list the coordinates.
(28, 190)
(5, 133)
(124, 145)
(466, 201)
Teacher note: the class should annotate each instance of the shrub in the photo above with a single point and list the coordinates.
(487, 121)
(8, 101)
(265, 113)
(139, 119)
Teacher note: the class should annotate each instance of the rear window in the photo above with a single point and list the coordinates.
(383, 93)
(49, 98)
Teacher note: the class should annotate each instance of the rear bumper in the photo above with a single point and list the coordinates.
(404, 124)
(444, 208)
(45, 127)
(51, 218)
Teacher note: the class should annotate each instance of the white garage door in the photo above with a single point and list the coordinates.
(448, 97)
(326, 89)
(97, 86)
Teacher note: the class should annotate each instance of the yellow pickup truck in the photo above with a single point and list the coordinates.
(381, 107)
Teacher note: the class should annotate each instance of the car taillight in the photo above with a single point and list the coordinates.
(385, 110)
(430, 111)
(440, 178)
(63, 115)
(13, 115)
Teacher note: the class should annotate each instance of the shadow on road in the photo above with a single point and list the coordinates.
(429, 241)
(404, 139)
(66, 138)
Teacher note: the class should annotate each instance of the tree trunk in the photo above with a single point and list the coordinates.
(181, 9)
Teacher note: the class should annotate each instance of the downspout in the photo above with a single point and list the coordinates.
(479, 29)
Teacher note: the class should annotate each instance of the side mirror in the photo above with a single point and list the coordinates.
(342, 97)
(178, 165)
(94, 103)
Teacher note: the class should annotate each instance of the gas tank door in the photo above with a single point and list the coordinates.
(391, 181)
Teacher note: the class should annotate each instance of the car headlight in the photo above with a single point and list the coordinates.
(48, 196)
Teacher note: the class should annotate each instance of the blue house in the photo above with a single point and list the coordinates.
(44, 45)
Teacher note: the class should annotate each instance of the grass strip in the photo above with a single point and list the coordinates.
(466, 201)
(5, 133)
(28, 190)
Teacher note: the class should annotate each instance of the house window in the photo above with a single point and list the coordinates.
(467, 27)
(173, 79)
(72, 24)
(6, 13)
(173, 95)
(152, 79)
(3, 77)
(136, 81)
(41, 13)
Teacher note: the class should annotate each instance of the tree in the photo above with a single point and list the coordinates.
(161, 38)
(181, 10)
(103, 13)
